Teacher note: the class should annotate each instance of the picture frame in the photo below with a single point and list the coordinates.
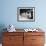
(26, 14)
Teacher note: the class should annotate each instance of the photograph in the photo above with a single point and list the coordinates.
(26, 14)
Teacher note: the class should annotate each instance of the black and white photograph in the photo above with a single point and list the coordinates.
(26, 14)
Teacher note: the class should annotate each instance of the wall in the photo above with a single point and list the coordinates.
(8, 13)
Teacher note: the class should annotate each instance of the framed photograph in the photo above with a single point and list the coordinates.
(26, 14)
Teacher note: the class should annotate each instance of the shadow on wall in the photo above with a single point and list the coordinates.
(2, 26)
